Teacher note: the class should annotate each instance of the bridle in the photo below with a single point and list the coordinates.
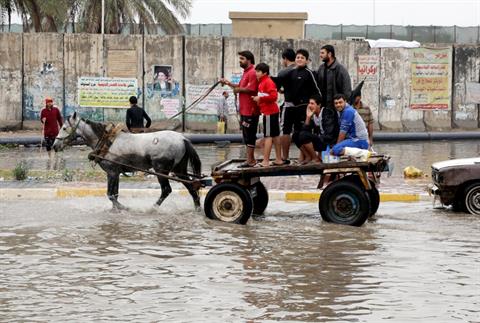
(71, 134)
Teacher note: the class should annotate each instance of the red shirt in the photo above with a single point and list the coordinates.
(267, 91)
(52, 122)
(248, 107)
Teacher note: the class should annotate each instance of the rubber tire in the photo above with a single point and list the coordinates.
(374, 197)
(237, 192)
(469, 197)
(373, 194)
(353, 193)
(260, 201)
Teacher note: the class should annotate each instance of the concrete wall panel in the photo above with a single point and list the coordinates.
(166, 51)
(203, 65)
(467, 69)
(83, 57)
(393, 88)
(10, 80)
(43, 73)
(440, 120)
(124, 58)
(371, 87)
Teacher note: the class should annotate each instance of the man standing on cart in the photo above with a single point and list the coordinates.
(249, 111)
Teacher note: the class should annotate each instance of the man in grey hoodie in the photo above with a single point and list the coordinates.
(333, 77)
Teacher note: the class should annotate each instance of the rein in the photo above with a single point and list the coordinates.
(196, 101)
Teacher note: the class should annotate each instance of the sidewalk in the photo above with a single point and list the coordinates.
(288, 188)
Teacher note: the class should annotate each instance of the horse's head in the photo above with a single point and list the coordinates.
(68, 132)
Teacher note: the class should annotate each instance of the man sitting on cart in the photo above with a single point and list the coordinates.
(353, 137)
(320, 130)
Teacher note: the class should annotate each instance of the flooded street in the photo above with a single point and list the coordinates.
(77, 261)
(418, 154)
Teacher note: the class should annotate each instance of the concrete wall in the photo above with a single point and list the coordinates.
(52, 64)
(467, 69)
(43, 74)
(10, 80)
(203, 66)
(83, 57)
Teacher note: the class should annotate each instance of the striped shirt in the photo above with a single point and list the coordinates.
(365, 112)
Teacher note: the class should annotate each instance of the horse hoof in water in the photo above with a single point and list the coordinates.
(119, 207)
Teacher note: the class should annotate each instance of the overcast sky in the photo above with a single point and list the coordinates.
(360, 12)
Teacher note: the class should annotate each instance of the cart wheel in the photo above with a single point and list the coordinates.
(373, 194)
(260, 198)
(344, 202)
(228, 202)
(374, 197)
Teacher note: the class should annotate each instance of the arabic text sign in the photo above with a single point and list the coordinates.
(367, 68)
(211, 103)
(430, 73)
(106, 92)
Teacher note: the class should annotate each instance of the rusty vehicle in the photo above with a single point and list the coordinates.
(456, 182)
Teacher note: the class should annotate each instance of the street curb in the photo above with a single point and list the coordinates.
(79, 192)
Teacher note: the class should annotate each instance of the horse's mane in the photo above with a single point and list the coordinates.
(97, 127)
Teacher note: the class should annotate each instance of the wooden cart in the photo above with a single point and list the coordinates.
(349, 199)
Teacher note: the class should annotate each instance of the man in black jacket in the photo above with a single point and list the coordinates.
(301, 84)
(333, 77)
(135, 116)
(320, 130)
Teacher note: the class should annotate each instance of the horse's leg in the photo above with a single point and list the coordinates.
(181, 170)
(113, 181)
(163, 166)
(166, 189)
(194, 193)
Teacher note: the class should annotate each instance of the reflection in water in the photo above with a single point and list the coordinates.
(421, 154)
(76, 261)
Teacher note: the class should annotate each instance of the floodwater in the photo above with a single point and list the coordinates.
(76, 261)
(418, 154)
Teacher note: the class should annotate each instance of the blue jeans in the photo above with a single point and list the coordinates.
(354, 143)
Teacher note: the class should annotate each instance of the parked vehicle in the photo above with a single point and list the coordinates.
(456, 182)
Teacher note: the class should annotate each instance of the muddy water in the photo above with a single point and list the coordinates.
(74, 260)
(418, 154)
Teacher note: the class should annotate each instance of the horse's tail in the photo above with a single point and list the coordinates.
(193, 158)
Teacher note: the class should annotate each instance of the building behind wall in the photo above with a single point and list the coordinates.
(269, 24)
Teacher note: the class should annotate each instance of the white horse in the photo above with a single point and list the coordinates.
(164, 151)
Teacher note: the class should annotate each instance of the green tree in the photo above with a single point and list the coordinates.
(53, 15)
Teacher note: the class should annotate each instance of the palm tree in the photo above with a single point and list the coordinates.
(148, 13)
(41, 15)
(52, 15)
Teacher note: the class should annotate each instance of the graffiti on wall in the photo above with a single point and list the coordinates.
(47, 82)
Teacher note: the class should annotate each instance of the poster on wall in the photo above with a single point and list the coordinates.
(368, 68)
(430, 79)
(163, 81)
(106, 92)
(212, 102)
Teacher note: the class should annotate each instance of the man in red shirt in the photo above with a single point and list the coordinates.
(249, 112)
(51, 122)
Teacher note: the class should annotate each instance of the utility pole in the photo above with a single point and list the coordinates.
(374, 12)
(103, 17)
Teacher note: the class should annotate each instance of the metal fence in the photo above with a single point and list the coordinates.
(422, 34)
